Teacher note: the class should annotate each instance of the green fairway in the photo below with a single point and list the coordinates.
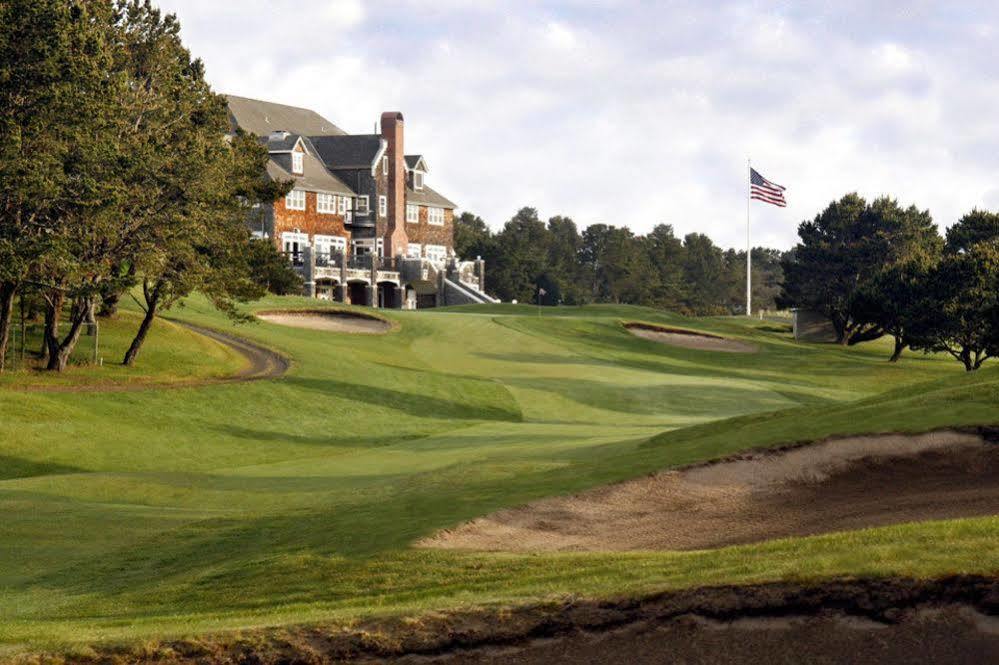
(133, 515)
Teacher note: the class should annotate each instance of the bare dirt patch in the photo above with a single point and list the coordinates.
(689, 339)
(944, 621)
(329, 321)
(835, 485)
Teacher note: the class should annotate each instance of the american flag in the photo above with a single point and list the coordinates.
(762, 189)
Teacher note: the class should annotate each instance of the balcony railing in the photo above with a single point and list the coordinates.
(360, 262)
(331, 259)
(296, 259)
(336, 259)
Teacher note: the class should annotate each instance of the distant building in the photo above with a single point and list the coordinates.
(361, 224)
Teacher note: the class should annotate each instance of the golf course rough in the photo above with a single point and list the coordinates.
(135, 517)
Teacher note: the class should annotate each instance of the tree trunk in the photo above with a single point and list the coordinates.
(842, 330)
(152, 302)
(140, 336)
(969, 365)
(50, 335)
(60, 351)
(899, 348)
(7, 292)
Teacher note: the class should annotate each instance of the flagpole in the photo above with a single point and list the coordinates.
(749, 243)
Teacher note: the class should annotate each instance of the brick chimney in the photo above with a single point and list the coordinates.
(395, 233)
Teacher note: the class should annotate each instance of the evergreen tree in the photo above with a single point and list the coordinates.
(563, 274)
(521, 257)
(666, 256)
(834, 267)
(959, 313)
(705, 275)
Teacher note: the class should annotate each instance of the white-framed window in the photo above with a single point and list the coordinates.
(414, 250)
(293, 243)
(327, 244)
(435, 216)
(436, 252)
(366, 246)
(383, 206)
(345, 208)
(297, 163)
(412, 213)
(325, 204)
(385, 165)
(362, 205)
(295, 200)
(417, 180)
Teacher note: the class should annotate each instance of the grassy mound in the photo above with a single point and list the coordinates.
(171, 354)
(159, 513)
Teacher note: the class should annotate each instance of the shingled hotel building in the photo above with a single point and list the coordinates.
(361, 224)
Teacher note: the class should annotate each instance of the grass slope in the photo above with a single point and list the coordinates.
(171, 354)
(168, 512)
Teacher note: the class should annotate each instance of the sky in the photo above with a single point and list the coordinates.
(641, 113)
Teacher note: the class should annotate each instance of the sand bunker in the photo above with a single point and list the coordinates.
(834, 485)
(330, 321)
(689, 339)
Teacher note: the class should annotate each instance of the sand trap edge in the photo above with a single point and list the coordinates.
(385, 325)
(685, 338)
(874, 446)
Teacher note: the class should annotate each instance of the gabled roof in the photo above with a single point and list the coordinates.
(416, 163)
(315, 177)
(261, 118)
(428, 197)
(355, 151)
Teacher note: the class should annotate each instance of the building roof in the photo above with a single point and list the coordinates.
(348, 152)
(261, 118)
(428, 197)
(413, 162)
(314, 178)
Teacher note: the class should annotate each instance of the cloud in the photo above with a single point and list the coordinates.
(560, 36)
(344, 13)
(639, 113)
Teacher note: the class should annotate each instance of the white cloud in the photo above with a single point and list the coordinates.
(344, 13)
(560, 36)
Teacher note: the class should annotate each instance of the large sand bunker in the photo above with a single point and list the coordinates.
(330, 321)
(689, 339)
(834, 485)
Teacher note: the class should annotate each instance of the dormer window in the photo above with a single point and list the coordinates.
(417, 180)
(297, 163)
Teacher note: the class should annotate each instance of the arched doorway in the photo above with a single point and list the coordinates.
(357, 293)
(388, 296)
